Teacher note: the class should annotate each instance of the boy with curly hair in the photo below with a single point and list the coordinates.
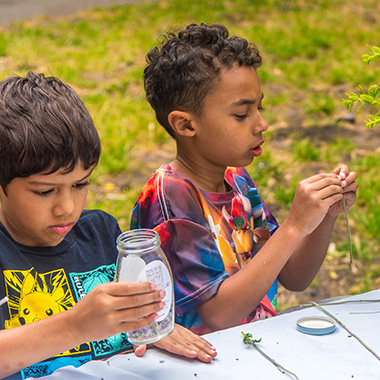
(225, 247)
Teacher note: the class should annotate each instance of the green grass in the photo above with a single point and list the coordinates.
(311, 57)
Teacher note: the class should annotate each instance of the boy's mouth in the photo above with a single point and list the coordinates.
(62, 229)
(257, 151)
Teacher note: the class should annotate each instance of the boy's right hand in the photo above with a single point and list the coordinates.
(113, 308)
(312, 201)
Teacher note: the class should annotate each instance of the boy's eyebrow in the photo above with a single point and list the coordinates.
(51, 184)
(244, 101)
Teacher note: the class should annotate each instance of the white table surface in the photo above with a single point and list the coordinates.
(336, 356)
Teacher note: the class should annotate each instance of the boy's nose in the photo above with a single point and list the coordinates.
(64, 206)
(261, 124)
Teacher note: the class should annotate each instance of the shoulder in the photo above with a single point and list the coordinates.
(168, 185)
(6, 240)
(97, 221)
(96, 216)
(167, 195)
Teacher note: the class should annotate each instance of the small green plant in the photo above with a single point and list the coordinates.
(249, 340)
(372, 97)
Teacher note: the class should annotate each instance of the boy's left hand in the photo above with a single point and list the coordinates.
(185, 343)
(349, 188)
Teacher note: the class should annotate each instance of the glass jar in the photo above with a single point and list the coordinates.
(142, 259)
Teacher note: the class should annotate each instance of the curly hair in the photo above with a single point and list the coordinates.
(44, 127)
(181, 72)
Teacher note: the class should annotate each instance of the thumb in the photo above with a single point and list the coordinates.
(140, 350)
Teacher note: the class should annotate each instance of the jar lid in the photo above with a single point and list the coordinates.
(316, 325)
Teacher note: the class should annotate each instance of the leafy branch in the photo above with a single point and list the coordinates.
(371, 97)
(375, 53)
(248, 339)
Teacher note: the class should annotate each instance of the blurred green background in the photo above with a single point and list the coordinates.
(311, 57)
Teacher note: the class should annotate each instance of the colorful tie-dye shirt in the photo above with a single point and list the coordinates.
(205, 236)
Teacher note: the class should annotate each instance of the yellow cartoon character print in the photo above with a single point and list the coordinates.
(34, 296)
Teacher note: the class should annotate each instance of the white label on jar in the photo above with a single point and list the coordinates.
(157, 273)
(131, 266)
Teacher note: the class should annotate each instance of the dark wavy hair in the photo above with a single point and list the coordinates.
(44, 127)
(181, 72)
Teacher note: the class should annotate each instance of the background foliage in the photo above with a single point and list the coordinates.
(312, 56)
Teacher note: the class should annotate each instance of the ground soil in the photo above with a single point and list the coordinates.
(21, 10)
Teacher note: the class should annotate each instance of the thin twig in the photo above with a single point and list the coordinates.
(340, 302)
(347, 329)
(364, 312)
(248, 340)
(348, 229)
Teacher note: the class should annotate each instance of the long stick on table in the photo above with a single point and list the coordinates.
(347, 329)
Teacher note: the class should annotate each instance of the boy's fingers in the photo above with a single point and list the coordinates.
(341, 170)
(137, 300)
(183, 342)
(331, 183)
(138, 312)
(195, 341)
(140, 350)
(318, 177)
(128, 288)
(139, 323)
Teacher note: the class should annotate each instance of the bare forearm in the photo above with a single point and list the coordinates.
(239, 294)
(25, 345)
(307, 258)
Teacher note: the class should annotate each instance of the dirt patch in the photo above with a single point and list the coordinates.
(21, 10)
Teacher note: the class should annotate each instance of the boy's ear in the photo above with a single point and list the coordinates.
(181, 123)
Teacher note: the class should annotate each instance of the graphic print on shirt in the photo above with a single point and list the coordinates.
(34, 296)
(84, 283)
(247, 219)
(250, 228)
(250, 231)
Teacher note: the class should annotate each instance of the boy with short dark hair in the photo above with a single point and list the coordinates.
(225, 248)
(57, 261)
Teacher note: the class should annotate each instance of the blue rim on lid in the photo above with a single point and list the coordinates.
(316, 325)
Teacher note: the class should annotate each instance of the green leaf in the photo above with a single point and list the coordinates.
(248, 339)
(353, 97)
(367, 98)
(372, 122)
(375, 51)
(360, 108)
(373, 90)
(347, 103)
(370, 49)
(366, 58)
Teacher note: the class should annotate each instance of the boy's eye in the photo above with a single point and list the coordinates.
(241, 117)
(44, 193)
(81, 185)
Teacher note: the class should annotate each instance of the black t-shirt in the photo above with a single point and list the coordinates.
(43, 281)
